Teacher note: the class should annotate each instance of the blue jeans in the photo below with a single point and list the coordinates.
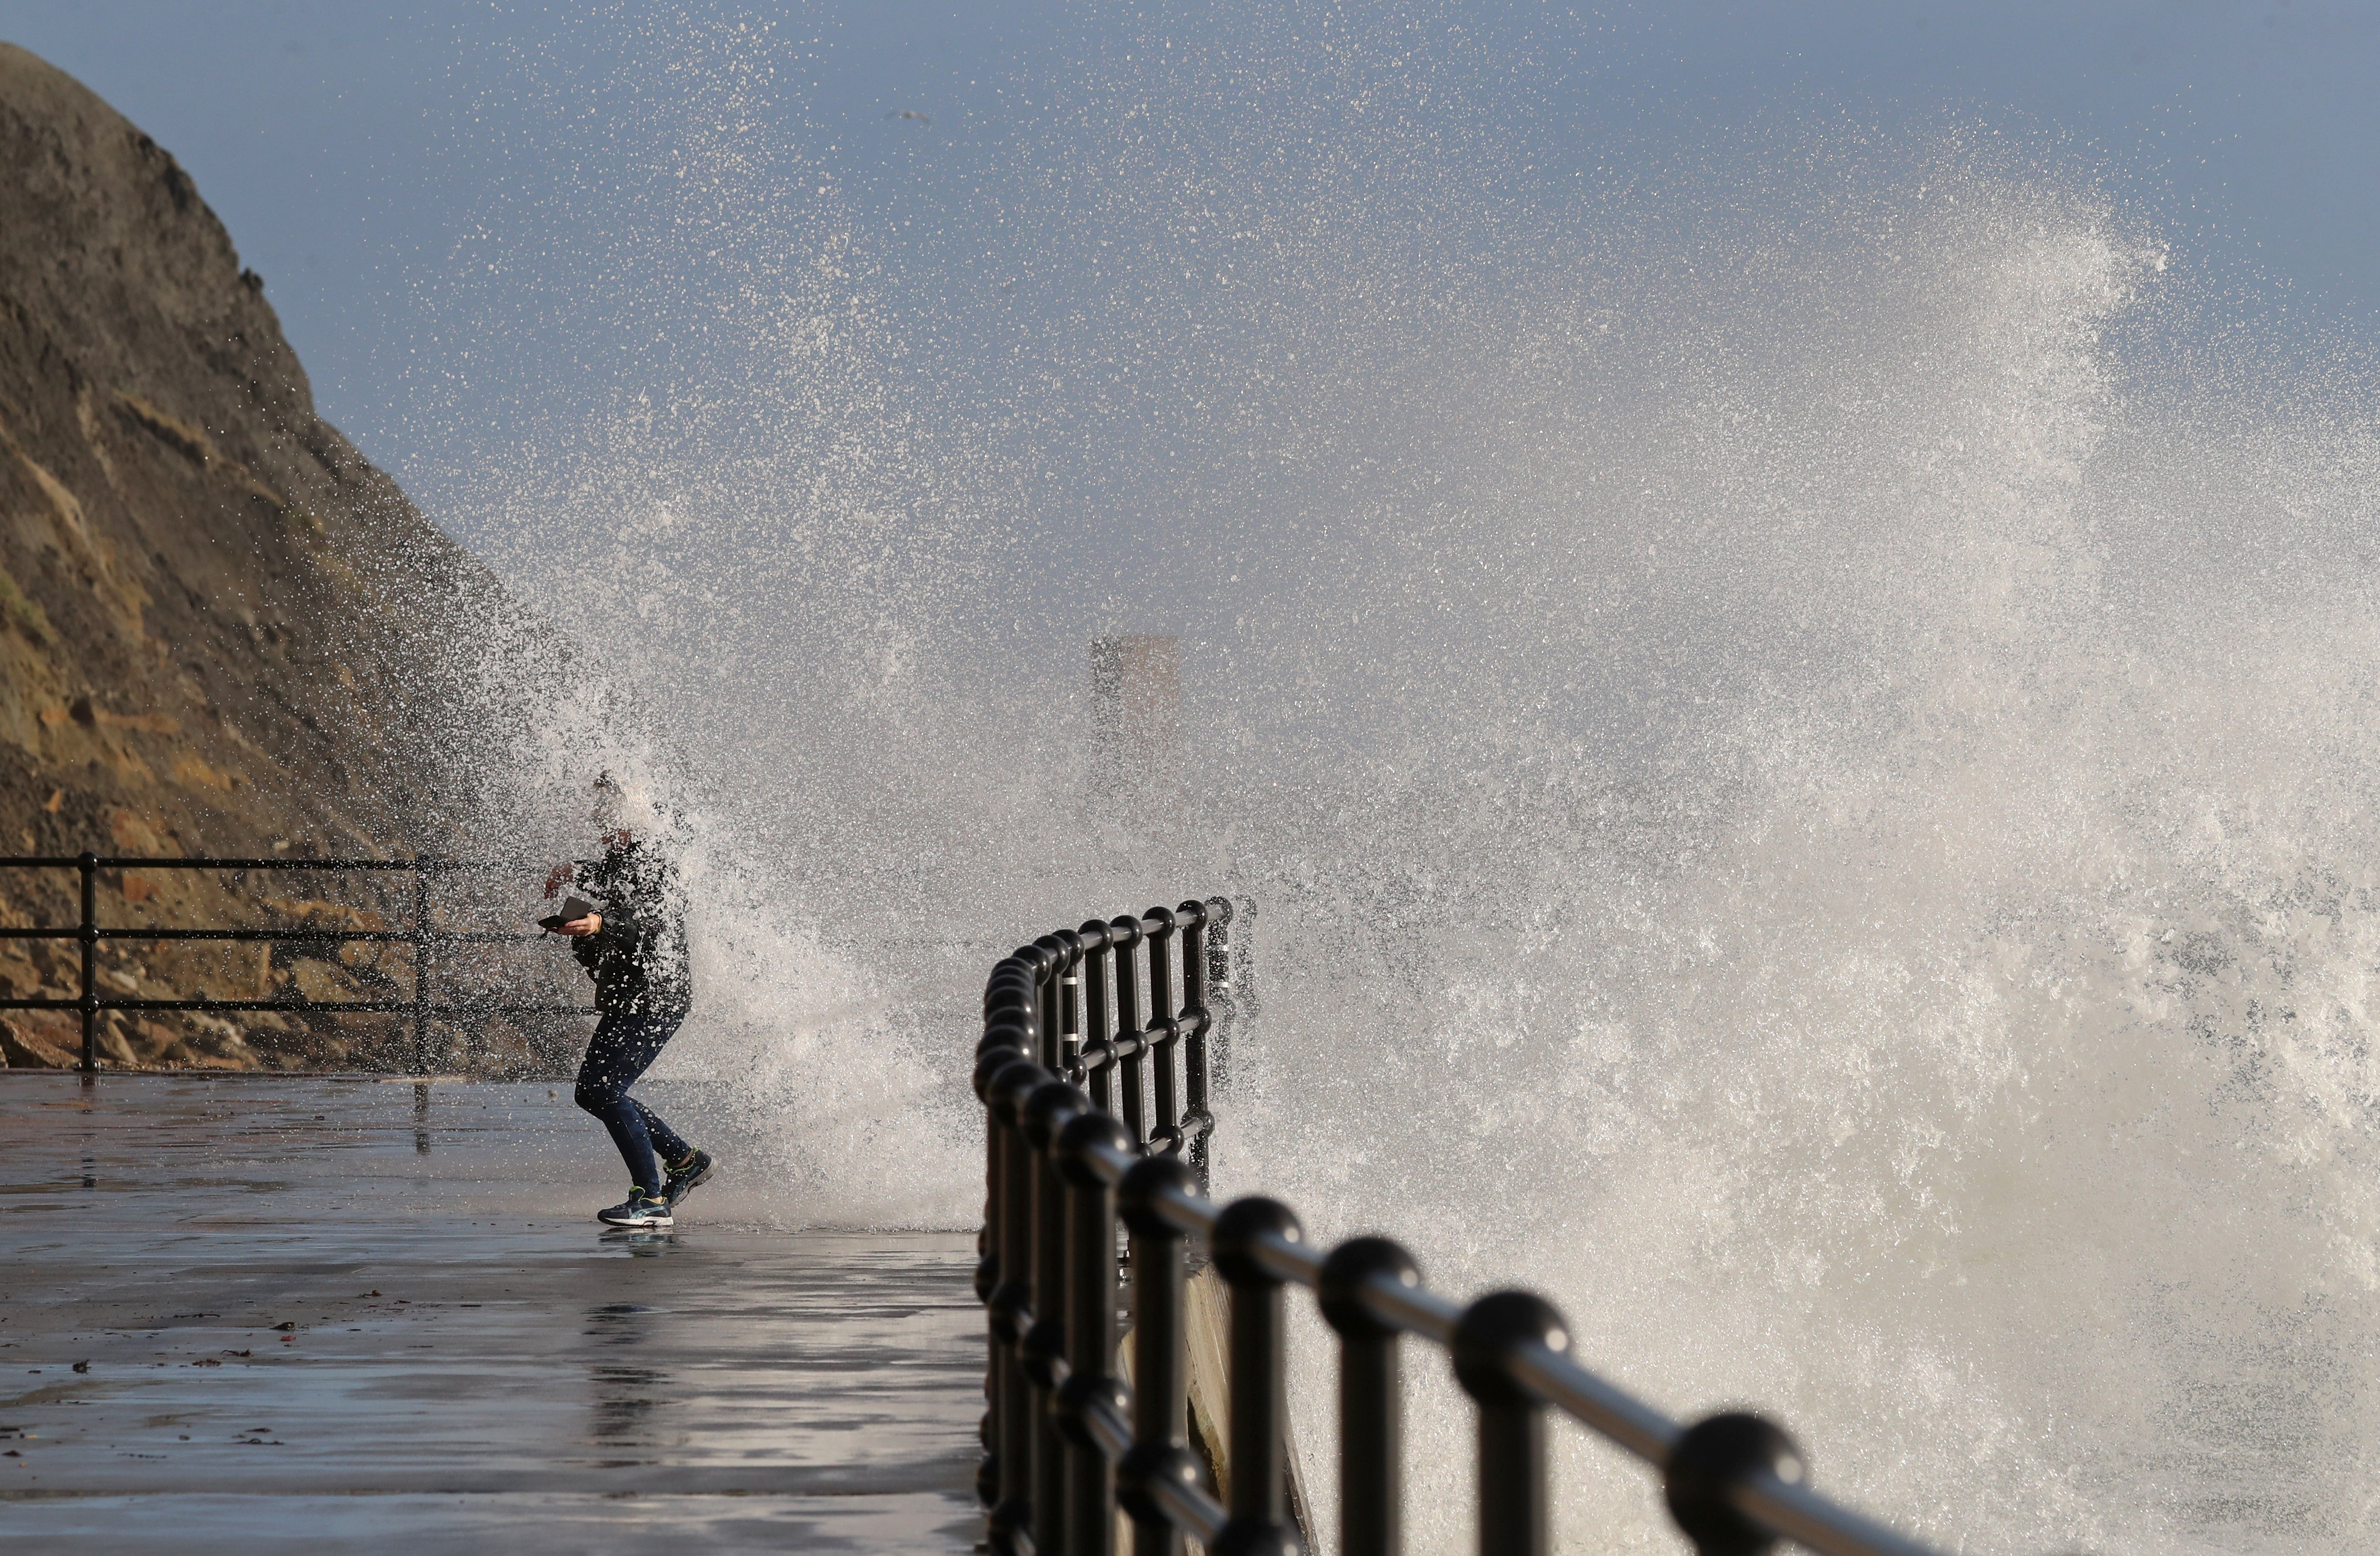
(625, 1044)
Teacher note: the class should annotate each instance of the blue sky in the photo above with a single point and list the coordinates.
(351, 148)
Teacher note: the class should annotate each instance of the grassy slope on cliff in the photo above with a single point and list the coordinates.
(222, 631)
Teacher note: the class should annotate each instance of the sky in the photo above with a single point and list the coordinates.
(356, 151)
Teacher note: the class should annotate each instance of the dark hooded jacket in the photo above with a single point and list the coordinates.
(637, 959)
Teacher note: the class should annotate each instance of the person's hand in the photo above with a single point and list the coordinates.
(579, 929)
(554, 879)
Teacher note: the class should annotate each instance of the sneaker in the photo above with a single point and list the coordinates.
(686, 1177)
(639, 1209)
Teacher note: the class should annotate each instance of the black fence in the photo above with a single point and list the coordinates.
(421, 935)
(1069, 1442)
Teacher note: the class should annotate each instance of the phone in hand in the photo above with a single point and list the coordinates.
(575, 908)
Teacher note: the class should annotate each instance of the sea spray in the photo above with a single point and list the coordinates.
(1798, 742)
(1961, 1047)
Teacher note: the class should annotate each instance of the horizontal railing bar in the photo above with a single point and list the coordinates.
(1187, 1508)
(384, 1007)
(1147, 929)
(1412, 1309)
(1605, 1407)
(1808, 1519)
(1294, 1262)
(1100, 1055)
(1180, 1134)
(1141, 1038)
(114, 861)
(1111, 1432)
(1110, 1163)
(434, 937)
(1186, 1212)
(1144, 927)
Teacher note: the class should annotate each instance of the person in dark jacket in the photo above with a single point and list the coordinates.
(632, 943)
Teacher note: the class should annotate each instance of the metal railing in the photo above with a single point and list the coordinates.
(1068, 1441)
(421, 935)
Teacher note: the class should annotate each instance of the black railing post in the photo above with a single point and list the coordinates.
(1096, 1030)
(1090, 1331)
(1198, 1017)
(1045, 1112)
(1258, 1370)
(987, 1282)
(88, 935)
(1716, 1454)
(1164, 1035)
(1371, 1397)
(1005, 1041)
(420, 970)
(1513, 1516)
(1124, 933)
(1052, 954)
(1011, 1308)
(1160, 1383)
(1222, 993)
(1070, 1004)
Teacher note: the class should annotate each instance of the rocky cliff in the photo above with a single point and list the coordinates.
(222, 630)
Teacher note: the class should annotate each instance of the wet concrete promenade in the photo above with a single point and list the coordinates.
(331, 1316)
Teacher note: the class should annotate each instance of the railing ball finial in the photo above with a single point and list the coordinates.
(1081, 1138)
(1238, 1227)
(1048, 1108)
(1241, 1540)
(1716, 1454)
(1147, 1183)
(1490, 1331)
(1146, 1465)
(993, 1059)
(1007, 1029)
(1352, 1265)
(987, 1478)
(1010, 1526)
(1010, 1085)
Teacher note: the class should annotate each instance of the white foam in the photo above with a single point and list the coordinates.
(1801, 745)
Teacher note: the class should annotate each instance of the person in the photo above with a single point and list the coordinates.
(632, 943)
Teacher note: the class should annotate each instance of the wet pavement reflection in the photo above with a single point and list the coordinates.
(326, 1315)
